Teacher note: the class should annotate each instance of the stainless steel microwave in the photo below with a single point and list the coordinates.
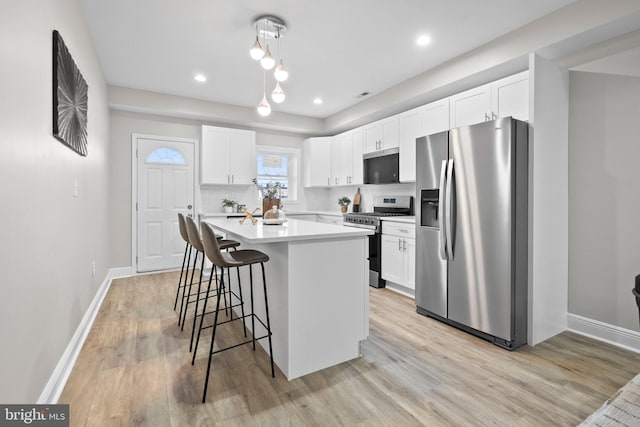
(382, 167)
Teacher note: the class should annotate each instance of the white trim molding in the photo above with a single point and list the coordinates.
(53, 389)
(615, 335)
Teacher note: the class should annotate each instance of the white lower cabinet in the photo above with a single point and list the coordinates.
(399, 253)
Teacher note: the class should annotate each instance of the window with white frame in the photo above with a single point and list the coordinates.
(278, 165)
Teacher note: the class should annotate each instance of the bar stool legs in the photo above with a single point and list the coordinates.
(266, 308)
(253, 318)
(185, 260)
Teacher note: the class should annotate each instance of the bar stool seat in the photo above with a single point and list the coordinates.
(236, 259)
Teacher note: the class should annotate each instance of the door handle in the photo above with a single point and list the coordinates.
(189, 207)
(441, 202)
(448, 213)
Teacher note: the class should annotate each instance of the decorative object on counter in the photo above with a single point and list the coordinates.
(344, 203)
(70, 97)
(356, 201)
(274, 216)
(228, 205)
(269, 27)
(270, 195)
(249, 216)
(240, 208)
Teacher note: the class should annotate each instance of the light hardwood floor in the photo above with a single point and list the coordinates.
(135, 369)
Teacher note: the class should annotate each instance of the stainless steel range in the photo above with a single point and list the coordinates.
(383, 206)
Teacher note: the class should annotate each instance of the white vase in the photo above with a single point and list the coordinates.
(228, 209)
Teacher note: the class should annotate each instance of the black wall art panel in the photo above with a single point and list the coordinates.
(70, 97)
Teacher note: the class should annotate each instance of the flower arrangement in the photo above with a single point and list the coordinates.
(228, 203)
(344, 201)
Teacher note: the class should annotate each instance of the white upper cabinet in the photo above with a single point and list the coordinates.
(502, 98)
(421, 121)
(227, 156)
(335, 160)
(471, 106)
(381, 135)
(357, 145)
(510, 96)
(317, 162)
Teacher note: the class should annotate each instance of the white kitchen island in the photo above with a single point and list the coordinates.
(318, 289)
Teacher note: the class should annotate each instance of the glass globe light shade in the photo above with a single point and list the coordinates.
(281, 74)
(267, 60)
(256, 50)
(264, 109)
(278, 94)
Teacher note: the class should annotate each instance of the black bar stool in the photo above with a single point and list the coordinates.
(196, 243)
(185, 262)
(243, 257)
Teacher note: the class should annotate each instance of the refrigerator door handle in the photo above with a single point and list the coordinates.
(448, 219)
(441, 201)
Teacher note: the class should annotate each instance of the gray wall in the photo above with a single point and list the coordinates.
(49, 238)
(123, 125)
(604, 197)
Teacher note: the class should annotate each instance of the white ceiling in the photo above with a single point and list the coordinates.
(334, 49)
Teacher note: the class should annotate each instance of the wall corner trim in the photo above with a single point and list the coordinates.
(615, 335)
(53, 389)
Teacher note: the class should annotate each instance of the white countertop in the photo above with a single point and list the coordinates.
(403, 219)
(288, 212)
(292, 230)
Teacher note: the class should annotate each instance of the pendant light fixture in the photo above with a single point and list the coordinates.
(269, 27)
(264, 109)
(256, 51)
(281, 74)
(278, 95)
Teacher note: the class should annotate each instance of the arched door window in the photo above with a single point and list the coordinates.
(165, 156)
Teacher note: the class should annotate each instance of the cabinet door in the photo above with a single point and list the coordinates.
(510, 96)
(389, 132)
(435, 117)
(335, 161)
(242, 156)
(214, 156)
(410, 129)
(357, 141)
(409, 247)
(317, 162)
(470, 107)
(346, 157)
(371, 138)
(392, 258)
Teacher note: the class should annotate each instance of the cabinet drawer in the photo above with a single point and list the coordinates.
(399, 229)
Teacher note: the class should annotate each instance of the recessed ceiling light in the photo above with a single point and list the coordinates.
(200, 78)
(423, 40)
(317, 101)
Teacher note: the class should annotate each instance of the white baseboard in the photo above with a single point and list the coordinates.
(615, 335)
(52, 390)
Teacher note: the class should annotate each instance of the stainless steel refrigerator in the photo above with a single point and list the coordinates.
(471, 229)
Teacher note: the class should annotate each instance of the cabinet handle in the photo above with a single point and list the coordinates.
(486, 117)
(494, 115)
(232, 180)
(404, 245)
(228, 179)
(403, 230)
(399, 244)
(328, 181)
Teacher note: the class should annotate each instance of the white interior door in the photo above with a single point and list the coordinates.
(165, 188)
